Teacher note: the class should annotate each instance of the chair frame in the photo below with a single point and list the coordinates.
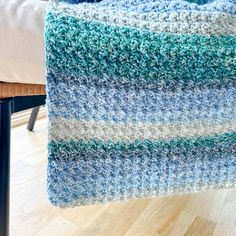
(8, 106)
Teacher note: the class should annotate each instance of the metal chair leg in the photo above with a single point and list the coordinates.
(33, 118)
(5, 121)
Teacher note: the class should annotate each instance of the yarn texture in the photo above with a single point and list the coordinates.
(141, 97)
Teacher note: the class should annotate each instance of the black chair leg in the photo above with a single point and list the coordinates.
(5, 123)
(33, 118)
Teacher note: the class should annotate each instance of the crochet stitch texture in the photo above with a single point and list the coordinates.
(141, 97)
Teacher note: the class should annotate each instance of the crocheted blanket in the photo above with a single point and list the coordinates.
(141, 97)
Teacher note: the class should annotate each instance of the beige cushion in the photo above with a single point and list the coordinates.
(21, 41)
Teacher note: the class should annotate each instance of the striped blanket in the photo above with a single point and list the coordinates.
(141, 97)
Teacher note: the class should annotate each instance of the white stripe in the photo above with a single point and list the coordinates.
(63, 129)
(202, 23)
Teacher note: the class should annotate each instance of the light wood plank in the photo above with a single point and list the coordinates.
(225, 230)
(201, 226)
(58, 227)
(159, 217)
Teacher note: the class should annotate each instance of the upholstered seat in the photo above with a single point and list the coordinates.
(21, 41)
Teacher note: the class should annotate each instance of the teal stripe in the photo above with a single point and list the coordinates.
(88, 48)
(227, 139)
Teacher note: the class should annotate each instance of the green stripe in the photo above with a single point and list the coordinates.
(144, 145)
(88, 48)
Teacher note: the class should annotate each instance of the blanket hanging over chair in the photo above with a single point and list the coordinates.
(141, 97)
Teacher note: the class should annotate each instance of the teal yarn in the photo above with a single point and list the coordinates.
(151, 53)
(141, 99)
(228, 140)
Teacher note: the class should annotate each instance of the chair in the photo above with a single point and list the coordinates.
(22, 78)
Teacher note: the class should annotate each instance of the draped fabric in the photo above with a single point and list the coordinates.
(141, 97)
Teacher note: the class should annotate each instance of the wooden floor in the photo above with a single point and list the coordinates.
(211, 213)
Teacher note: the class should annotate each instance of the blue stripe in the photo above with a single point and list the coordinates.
(146, 6)
(81, 178)
(163, 104)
